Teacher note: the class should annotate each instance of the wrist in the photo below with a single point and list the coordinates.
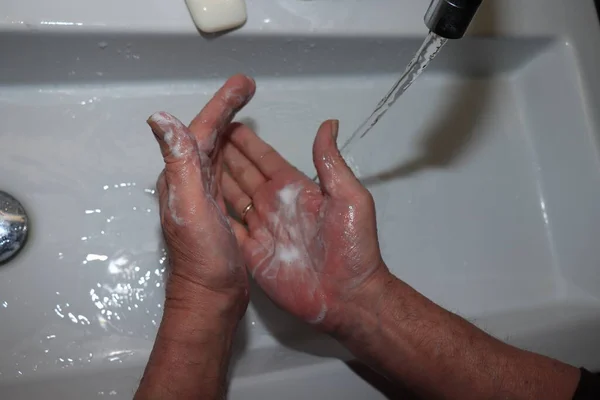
(385, 307)
(180, 328)
(358, 313)
(190, 355)
(197, 301)
(389, 317)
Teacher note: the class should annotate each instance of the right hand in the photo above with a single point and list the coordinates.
(207, 270)
(312, 248)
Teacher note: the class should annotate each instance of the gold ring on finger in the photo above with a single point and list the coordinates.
(246, 211)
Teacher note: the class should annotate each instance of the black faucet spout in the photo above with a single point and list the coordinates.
(451, 18)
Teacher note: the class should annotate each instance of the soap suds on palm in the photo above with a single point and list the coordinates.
(288, 196)
(285, 222)
(288, 218)
(289, 255)
(286, 247)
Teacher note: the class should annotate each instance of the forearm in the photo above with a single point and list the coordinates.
(190, 357)
(440, 355)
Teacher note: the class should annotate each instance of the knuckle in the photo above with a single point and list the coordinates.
(246, 175)
(237, 170)
(242, 138)
(269, 153)
(364, 199)
(161, 188)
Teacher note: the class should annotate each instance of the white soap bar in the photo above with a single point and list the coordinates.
(217, 15)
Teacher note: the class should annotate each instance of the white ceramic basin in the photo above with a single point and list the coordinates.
(486, 175)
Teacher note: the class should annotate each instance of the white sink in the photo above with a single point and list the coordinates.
(486, 175)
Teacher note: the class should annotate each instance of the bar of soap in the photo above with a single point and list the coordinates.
(212, 16)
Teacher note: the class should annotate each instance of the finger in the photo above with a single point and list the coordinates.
(218, 163)
(265, 157)
(173, 137)
(239, 200)
(163, 194)
(242, 170)
(182, 166)
(215, 187)
(335, 177)
(161, 184)
(240, 232)
(220, 110)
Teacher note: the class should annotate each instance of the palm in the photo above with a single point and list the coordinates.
(287, 257)
(301, 246)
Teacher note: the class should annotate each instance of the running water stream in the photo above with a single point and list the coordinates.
(429, 49)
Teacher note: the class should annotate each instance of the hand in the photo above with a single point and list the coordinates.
(203, 252)
(207, 288)
(311, 248)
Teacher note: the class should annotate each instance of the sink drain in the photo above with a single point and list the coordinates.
(13, 226)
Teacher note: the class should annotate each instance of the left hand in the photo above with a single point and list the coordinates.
(311, 247)
(207, 270)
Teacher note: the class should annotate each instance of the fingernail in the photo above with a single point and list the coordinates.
(153, 129)
(152, 119)
(251, 79)
(335, 127)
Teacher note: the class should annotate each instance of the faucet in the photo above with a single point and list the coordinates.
(446, 19)
(451, 18)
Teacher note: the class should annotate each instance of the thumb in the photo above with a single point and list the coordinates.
(182, 178)
(336, 178)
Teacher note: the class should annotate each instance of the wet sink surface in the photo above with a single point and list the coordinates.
(485, 176)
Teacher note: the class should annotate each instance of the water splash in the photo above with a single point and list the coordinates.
(429, 49)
